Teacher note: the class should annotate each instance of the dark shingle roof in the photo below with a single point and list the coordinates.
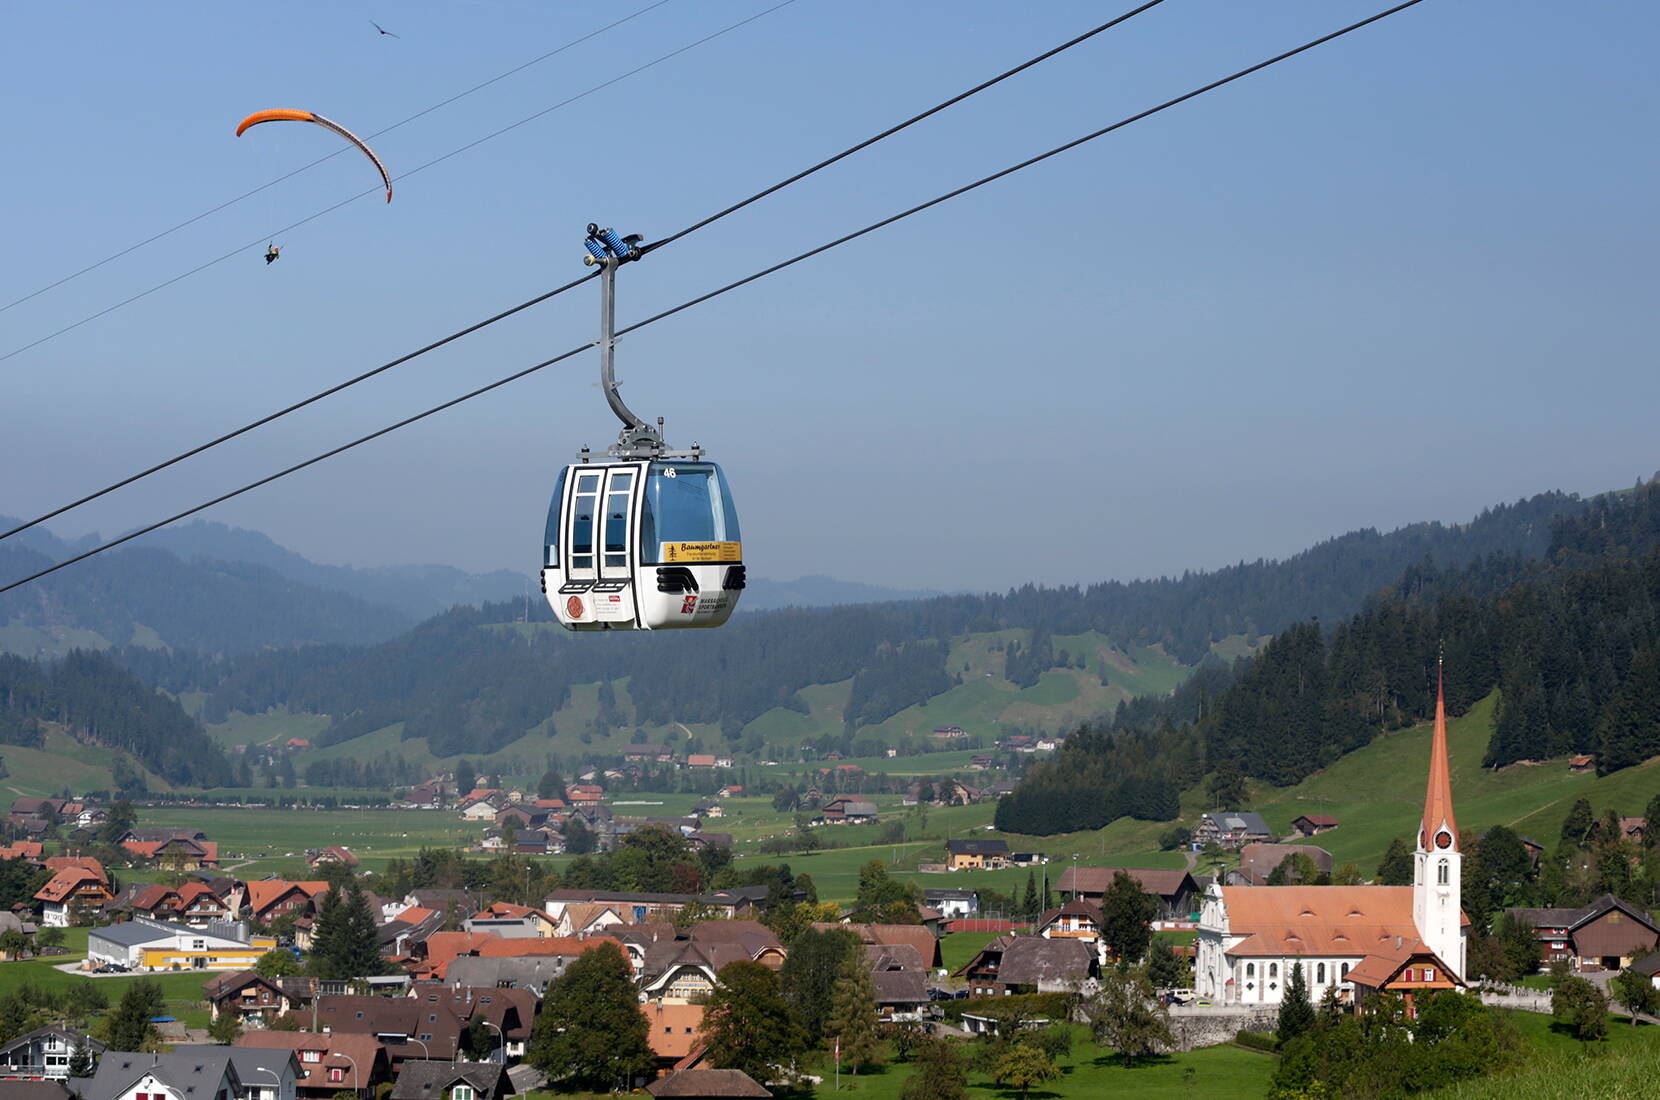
(707, 1082)
(423, 1080)
(978, 847)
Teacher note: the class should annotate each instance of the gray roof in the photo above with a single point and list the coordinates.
(95, 1046)
(252, 1063)
(1245, 821)
(134, 932)
(1028, 960)
(900, 987)
(194, 1075)
(707, 1082)
(423, 1080)
(529, 972)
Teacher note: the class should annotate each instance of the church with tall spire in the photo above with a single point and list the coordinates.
(1351, 940)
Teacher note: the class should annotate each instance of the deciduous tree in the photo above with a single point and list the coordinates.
(1124, 1016)
(941, 1073)
(591, 1033)
(1023, 1065)
(810, 971)
(747, 1024)
(1635, 990)
(1581, 1009)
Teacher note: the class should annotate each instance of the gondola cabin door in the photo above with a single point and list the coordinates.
(649, 545)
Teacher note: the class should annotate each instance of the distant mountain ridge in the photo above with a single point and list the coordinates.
(478, 679)
(271, 595)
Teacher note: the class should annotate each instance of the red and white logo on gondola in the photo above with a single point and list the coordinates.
(688, 605)
(573, 607)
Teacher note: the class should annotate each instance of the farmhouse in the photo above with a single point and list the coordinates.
(1607, 933)
(1029, 964)
(70, 889)
(1175, 890)
(847, 811)
(1231, 828)
(1310, 824)
(970, 854)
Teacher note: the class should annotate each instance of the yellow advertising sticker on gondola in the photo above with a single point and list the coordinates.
(682, 552)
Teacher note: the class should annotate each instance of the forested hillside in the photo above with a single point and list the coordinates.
(474, 679)
(1572, 643)
(100, 704)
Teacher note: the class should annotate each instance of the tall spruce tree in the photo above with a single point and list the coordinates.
(357, 950)
(852, 1020)
(1577, 826)
(129, 1027)
(1396, 867)
(1296, 1011)
(810, 971)
(1127, 912)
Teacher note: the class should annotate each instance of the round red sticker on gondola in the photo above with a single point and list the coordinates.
(573, 607)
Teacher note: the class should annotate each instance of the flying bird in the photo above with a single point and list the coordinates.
(381, 29)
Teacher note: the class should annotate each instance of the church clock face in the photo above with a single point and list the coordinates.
(1443, 839)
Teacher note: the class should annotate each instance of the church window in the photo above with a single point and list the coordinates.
(1273, 970)
(1250, 970)
(1441, 872)
(1345, 973)
(1320, 973)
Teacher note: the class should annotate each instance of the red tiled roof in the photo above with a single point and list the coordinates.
(65, 883)
(63, 863)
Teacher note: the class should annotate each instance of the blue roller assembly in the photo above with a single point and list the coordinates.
(614, 243)
(595, 249)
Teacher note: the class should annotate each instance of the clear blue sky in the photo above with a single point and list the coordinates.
(1403, 277)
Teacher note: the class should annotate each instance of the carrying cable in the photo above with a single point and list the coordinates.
(330, 156)
(262, 421)
(401, 176)
(764, 272)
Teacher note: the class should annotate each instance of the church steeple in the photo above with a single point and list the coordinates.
(1437, 870)
(1439, 829)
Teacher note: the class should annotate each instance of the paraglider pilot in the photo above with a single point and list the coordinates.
(271, 251)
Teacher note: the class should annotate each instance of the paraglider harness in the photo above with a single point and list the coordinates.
(271, 252)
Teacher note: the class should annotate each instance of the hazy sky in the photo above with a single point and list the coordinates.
(1402, 277)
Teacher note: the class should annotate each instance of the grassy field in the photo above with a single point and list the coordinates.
(182, 991)
(1377, 792)
(259, 839)
(1222, 1073)
(1625, 1066)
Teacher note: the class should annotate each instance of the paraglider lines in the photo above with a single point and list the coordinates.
(700, 299)
(402, 176)
(312, 164)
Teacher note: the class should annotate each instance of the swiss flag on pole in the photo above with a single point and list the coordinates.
(838, 1050)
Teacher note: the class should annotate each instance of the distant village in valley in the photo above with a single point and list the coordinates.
(570, 939)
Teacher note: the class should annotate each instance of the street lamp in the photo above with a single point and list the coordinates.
(355, 1076)
(426, 1051)
(277, 1093)
(502, 1035)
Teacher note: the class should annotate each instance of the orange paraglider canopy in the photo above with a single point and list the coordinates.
(285, 114)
